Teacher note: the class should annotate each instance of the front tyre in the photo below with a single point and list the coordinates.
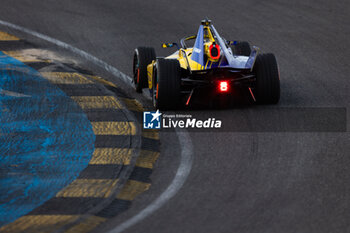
(167, 84)
(267, 87)
(142, 57)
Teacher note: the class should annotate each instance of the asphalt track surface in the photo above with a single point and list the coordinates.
(241, 181)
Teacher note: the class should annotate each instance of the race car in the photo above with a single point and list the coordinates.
(213, 66)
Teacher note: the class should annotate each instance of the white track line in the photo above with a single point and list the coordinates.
(81, 53)
(182, 173)
(185, 166)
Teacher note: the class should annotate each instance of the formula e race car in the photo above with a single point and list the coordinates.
(212, 65)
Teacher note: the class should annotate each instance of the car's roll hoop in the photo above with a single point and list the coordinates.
(206, 22)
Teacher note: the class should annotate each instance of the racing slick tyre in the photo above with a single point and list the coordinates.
(167, 86)
(267, 86)
(242, 48)
(142, 57)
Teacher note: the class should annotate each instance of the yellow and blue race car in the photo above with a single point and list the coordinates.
(213, 66)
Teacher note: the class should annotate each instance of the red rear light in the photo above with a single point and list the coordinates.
(223, 86)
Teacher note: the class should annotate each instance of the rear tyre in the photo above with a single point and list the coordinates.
(167, 86)
(142, 57)
(267, 87)
(242, 48)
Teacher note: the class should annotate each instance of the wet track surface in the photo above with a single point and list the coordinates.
(241, 181)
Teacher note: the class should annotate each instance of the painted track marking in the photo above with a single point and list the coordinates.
(182, 173)
(183, 136)
(34, 164)
(75, 50)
